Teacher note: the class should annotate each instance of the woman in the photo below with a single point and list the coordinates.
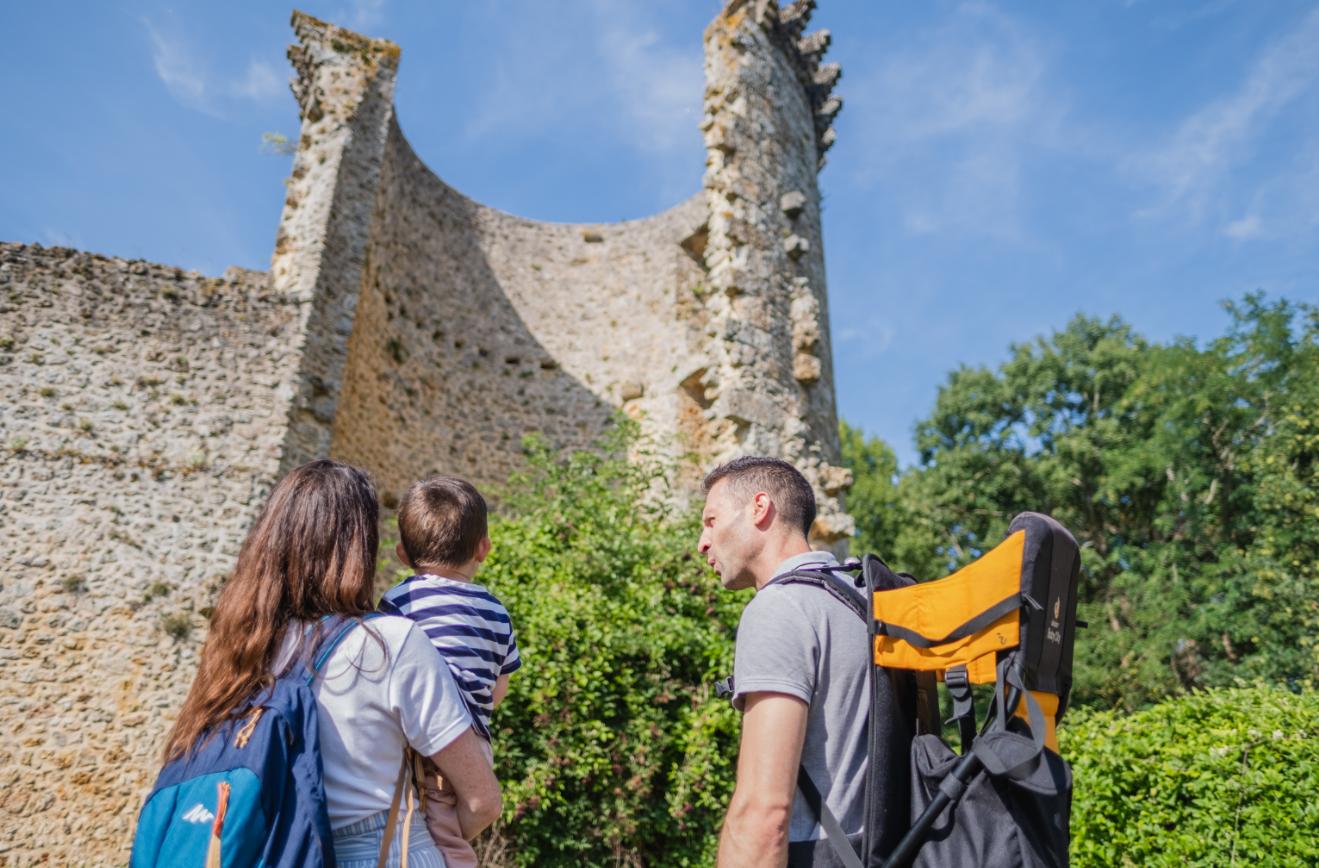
(312, 553)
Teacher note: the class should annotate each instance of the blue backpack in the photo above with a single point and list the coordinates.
(252, 792)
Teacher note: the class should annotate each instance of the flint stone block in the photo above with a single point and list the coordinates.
(792, 203)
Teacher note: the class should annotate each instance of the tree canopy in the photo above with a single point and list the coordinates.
(1187, 472)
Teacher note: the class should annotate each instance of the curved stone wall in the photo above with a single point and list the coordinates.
(475, 328)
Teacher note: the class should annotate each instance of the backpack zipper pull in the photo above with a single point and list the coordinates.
(213, 852)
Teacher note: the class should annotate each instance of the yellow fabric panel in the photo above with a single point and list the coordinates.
(983, 670)
(1049, 705)
(935, 609)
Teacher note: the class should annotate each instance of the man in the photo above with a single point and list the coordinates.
(799, 674)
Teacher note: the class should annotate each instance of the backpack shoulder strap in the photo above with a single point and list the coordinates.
(333, 636)
(833, 830)
(828, 581)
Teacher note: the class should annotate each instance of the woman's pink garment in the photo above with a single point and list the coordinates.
(442, 816)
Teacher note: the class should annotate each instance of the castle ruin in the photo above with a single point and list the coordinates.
(147, 412)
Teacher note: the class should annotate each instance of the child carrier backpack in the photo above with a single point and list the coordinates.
(250, 793)
(1009, 619)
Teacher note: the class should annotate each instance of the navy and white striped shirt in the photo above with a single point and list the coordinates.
(469, 627)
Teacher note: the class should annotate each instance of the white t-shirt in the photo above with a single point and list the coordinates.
(371, 700)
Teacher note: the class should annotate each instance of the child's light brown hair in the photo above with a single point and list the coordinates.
(441, 522)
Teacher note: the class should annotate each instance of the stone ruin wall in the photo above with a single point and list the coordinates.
(146, 412)
(142, 419)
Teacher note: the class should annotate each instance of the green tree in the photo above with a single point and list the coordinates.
(610, 746)
(873, 499)
(1187, 473)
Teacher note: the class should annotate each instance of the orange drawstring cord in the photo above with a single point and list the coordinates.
(213, 852)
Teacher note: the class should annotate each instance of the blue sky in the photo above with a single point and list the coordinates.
(999, 166)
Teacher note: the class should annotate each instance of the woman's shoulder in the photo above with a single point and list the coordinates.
(394, 629)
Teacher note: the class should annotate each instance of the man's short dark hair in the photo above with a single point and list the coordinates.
(442, 521)
(787, 488)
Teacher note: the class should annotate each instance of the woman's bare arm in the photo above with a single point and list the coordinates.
(464, 766)
(500, 690)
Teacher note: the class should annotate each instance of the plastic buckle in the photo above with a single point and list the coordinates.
(724, 689)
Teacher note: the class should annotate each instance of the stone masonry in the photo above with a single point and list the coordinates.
(146, 412)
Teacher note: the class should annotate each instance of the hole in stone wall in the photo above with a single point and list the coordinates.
(695, 243)
(694, 387)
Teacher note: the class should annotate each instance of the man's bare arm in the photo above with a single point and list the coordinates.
(464, 766)
(755, 833)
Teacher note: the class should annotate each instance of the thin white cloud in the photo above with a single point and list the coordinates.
(1196, 169)
(949, 118)
(869, 339)
(59, 238)
(363, 14)
(1247, 227)
(182, 68)
(176, 65)
(659, 86)
(617, 70)
(261, 83)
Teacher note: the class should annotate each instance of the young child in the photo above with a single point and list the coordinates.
(442, 524)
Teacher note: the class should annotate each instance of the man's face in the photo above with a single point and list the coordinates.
(729, 538)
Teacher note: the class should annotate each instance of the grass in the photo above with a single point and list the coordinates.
(177, 626)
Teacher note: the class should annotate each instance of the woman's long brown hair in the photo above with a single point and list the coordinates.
(312, 552)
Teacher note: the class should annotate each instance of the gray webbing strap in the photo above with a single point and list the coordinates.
(970, 628)
(1010, 676)
(958, 683)
(822, 578)
(837, 837)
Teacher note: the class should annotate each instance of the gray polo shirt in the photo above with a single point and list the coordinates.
(800, 640)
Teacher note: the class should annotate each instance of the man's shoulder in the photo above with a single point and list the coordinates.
(804, 598)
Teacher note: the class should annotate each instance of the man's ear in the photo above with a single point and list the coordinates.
(761, 511)
(403, 556)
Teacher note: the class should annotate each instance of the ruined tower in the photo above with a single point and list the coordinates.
(147, 412)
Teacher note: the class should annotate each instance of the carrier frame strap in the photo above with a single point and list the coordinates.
(841, 591)
(411, 762)
(832, 828)
(824, 578)
(970, 628)
(958, 682)
(1009, 676)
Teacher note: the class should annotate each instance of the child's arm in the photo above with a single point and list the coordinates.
(500, 690)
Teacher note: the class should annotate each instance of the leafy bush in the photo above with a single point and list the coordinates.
(610, 746)
(1216, 778)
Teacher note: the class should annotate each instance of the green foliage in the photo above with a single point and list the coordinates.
(889, 518)
(1217, 778)
(610, 746)
(1187, 473)
(873, 500)
(277, 144)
